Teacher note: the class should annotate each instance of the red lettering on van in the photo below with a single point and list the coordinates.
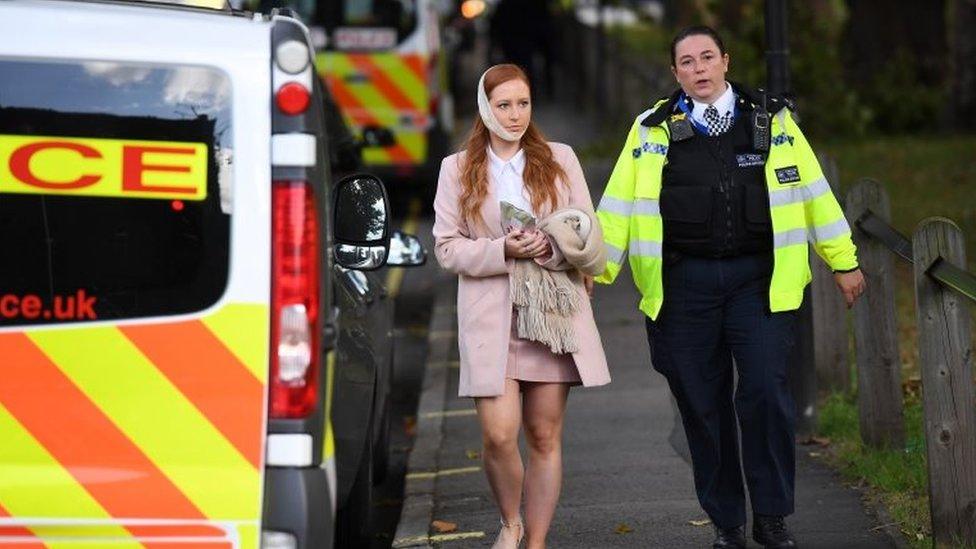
(20, 165)
(133, 168)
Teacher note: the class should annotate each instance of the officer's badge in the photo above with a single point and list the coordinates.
(789, 174)
(679, 116)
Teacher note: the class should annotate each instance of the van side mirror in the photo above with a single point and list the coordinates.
(361, 223)
(406, 251)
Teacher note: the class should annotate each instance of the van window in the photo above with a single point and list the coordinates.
(110, 200)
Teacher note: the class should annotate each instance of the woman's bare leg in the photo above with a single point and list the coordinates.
(543, 407)
(500, 418)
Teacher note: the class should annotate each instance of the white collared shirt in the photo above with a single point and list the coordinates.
(505, 177)
(725, 104)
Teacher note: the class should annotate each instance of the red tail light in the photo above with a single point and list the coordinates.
(295, 322)
(293, 98)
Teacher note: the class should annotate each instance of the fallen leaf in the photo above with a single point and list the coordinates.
(623, 529)
(820, 441)
(410, 426)
(443, 526)
(703, 522)
(919, 536)
(473, 454)
(815, 454)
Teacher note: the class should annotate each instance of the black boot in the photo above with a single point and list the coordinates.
(729, 538)
(771, 532)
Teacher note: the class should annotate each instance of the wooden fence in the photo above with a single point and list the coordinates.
(942, 288)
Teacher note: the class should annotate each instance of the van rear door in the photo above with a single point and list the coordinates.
(133, 334)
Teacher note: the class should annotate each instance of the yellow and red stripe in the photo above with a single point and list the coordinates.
(105, 427)
(385, 89)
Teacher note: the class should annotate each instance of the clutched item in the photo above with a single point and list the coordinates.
(515, 218)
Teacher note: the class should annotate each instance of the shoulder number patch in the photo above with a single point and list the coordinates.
(789, 174)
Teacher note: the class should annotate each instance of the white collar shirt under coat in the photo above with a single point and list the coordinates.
(724, 105)
(505, 177)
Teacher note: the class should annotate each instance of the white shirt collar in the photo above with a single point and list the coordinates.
(517, 162)
(724, 104)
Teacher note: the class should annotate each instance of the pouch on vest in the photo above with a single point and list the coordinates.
(687, 213)
(757, 216)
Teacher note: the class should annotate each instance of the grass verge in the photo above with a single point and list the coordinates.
(895, 478)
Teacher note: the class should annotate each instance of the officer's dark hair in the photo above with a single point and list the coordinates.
(696, 30)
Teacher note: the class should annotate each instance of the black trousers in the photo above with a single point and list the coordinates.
(716, 311)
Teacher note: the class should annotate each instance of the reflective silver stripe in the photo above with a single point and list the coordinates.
(781, 197)
(792, 195)
(789, 238)
(615, 205)
(642, 130)
(615, 254)
(833, 230)
(647, 206)
(645, 248)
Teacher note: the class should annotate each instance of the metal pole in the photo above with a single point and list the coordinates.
(777, 48)
(803, 379)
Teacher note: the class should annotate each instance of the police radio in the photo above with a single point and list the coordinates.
(760, 126)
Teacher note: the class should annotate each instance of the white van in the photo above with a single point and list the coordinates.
(166, 296)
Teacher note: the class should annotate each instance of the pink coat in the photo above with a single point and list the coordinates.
(477, 254)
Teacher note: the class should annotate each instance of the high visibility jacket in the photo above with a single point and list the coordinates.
(802, 208)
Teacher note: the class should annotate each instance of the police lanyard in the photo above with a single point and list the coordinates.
(701, 127)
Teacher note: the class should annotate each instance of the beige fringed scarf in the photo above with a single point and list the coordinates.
(546, 298)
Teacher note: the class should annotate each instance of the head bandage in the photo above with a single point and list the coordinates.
(488, 117)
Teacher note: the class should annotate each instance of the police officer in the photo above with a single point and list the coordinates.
(714, 199)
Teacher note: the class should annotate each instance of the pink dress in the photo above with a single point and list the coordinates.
(532, 361)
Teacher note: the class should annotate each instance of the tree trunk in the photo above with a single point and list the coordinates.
(963, 43)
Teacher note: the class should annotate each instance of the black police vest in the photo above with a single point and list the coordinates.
(713, 195)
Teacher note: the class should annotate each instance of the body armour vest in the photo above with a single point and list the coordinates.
(713, 195)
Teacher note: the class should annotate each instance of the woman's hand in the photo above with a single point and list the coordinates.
(851, 285)
(522, 244)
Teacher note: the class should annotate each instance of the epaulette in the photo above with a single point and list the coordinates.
(662, 109)
(774, 102)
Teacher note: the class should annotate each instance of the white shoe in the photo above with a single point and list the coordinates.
(510, 536)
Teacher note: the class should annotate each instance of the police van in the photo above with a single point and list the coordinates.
(386, 65)
(170, 242)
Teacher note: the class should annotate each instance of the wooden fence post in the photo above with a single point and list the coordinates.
(830, 332)
(875, 332)
(946, 359)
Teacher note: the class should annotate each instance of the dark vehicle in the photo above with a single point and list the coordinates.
(176, 289)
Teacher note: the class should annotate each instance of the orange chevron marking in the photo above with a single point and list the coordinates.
(362, 117)
(176, 530)
(418, 65)
(383, 84)
(210, 376)
(82, 438)
(350, 105)
(197, 544)
(18, 531)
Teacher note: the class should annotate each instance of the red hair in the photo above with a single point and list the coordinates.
(541, 169)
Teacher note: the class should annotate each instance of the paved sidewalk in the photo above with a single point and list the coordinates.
(626, 482)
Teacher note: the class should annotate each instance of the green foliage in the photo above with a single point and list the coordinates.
(897, 477)
(892, 101)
